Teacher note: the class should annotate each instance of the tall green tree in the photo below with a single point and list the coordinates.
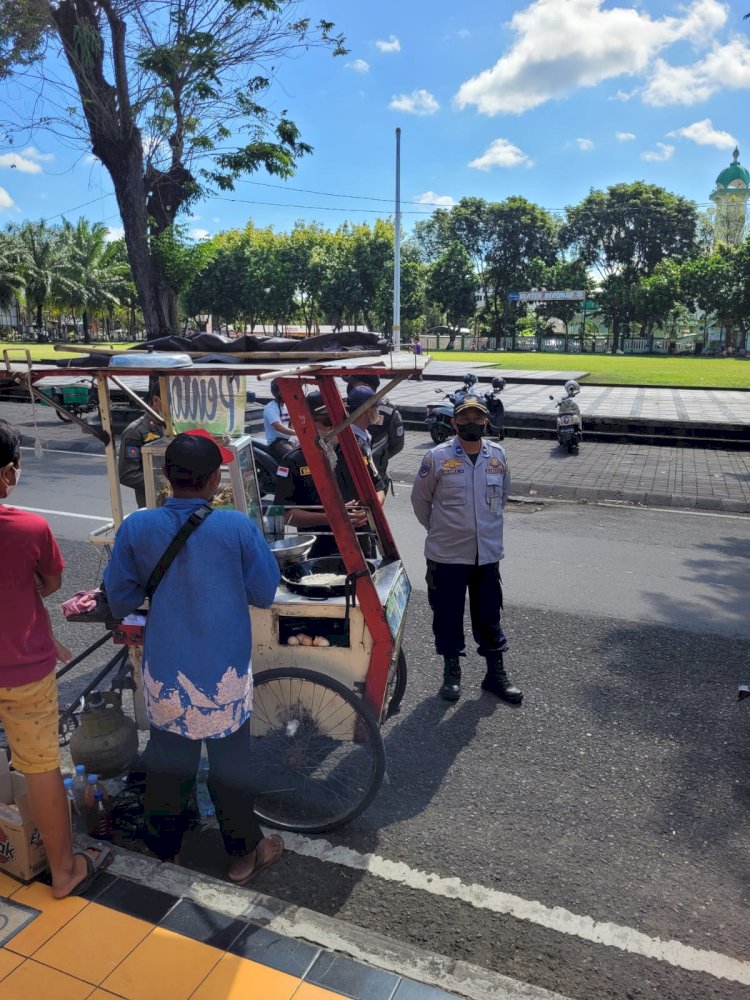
(452, 284)
(624, 232)
(170, 95)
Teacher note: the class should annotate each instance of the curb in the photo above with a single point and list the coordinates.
(455, 976)
(532, 492)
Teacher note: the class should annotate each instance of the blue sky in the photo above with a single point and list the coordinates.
(543, 99)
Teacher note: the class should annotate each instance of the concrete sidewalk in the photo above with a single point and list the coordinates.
(660, 475)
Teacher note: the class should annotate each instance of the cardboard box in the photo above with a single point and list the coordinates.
(22, 852)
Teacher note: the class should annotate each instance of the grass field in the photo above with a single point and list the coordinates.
(607, 369)
(39, 351)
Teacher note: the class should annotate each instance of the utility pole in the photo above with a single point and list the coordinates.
(397, 252)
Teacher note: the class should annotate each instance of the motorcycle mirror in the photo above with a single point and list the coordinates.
(552, 397)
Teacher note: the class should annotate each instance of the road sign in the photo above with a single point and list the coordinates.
(574, 295)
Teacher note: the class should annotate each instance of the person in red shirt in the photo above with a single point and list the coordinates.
(31, 569)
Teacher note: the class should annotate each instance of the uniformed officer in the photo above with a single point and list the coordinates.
(459, 496)
(142, 431)
(296, 491)
(389, 425)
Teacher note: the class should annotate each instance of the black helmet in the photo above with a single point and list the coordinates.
(371, 381)
(498, 383)
(470, 378)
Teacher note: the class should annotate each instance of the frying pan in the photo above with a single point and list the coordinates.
(294, 575)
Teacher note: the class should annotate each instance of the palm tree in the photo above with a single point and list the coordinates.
(96, 278)
(43, 260)
(12, 281)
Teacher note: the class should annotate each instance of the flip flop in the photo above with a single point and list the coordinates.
(94, 867)
(276, 849)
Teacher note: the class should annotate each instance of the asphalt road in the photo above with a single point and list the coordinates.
(618, 794)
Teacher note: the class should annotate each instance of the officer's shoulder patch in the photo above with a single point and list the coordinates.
(132, 451)
(304, 470)
(282, 471)
(426, 467)
(400, 430)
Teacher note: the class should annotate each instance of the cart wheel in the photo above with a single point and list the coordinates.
(318, 759)
(399, 687)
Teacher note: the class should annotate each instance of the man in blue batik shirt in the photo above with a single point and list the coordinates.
(197, 672)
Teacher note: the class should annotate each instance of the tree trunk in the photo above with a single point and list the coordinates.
(615, 333)
(85, 321)
(115, 138)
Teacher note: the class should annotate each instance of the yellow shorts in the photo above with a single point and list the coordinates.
(29, 715)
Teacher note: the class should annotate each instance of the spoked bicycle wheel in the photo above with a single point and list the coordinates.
(317, 758)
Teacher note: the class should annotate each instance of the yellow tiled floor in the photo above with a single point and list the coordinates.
(80, 950)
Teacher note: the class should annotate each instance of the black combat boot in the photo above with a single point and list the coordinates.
(497, 683)
(451, 689)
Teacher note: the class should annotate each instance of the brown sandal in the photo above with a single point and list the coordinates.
(275, 850)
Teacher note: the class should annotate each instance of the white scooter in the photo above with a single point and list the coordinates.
(569, 423)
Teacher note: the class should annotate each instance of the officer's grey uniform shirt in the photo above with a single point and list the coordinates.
(461, 504)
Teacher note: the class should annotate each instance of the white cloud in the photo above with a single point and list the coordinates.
(564, 44)
(624, 95)
(430, 198)
(662, 152)
(14, 161)
(199, 234)
(463, 33)
(5, 199)
(584, 144)
(114, 233)
(89, 159)
(726, 67)
(501, 153)
(359, 66)
(418, 102)
(704, 134)
(624, 136)
(33, 154)
(392, 45)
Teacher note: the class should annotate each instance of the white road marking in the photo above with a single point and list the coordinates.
(65, 513)
(553, 917)
(64, 451)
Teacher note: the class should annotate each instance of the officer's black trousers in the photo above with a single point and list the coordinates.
(446, 591)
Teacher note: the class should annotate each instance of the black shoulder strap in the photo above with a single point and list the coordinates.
(195, 520)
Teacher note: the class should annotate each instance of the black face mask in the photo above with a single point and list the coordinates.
(470, 432)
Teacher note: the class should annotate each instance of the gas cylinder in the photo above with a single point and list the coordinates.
(106, 740)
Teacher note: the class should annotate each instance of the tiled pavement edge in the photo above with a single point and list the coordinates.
(376, 950)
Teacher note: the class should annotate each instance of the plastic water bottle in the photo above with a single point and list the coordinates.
(99, 818)
(276, 520)
(78, 826)
(93, 786)
(80, 785)
(202, 794)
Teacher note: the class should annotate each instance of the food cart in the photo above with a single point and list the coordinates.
(328, 666)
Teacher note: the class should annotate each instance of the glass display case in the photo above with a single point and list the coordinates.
(238, 489)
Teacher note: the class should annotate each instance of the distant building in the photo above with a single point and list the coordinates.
(730, 198)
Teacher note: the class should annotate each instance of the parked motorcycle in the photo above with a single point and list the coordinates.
(79, 398)
(439, 415)
(569, 422)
